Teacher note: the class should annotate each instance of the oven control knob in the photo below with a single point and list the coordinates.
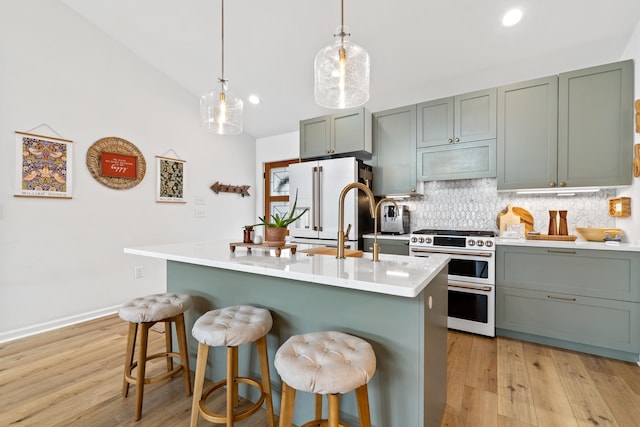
(480, 243)
(414, 239)
(472, 242)
(427, 239)
(489, 243)
(421, 240)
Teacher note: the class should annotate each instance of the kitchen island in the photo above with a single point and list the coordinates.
(399, 305)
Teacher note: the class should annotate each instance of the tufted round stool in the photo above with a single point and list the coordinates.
(144, 312)
(231, 327)
(325, 363)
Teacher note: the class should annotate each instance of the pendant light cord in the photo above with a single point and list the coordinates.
(222, 80)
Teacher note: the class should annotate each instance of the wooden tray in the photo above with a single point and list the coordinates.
(569, 238)
(278, 249)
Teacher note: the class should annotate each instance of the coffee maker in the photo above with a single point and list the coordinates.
(394, 219)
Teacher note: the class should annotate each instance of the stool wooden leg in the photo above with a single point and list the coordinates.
(201, 367)
(128, 357)
(334, 410)
(362, 396)
(286, 405)
(142, 358)
(232, 386)
(168, 342)
(261, 345)
(318, 407)
(184, 353)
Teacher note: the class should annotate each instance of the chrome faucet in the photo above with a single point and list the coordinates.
(342, 235)
(376, 247)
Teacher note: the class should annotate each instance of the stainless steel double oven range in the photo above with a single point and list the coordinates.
(472, 291)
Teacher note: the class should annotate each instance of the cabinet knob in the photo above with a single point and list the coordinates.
(457, 139)
(563, 184)
(450, 140)
(552, 184)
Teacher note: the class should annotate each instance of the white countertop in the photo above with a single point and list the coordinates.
(578, 244)
(393, 275)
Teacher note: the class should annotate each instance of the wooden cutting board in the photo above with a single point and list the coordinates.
(525, 217)
(334, 252)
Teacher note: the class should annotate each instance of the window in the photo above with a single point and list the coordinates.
(276, 187)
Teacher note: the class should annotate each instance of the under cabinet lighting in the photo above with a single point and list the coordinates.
(567, 192)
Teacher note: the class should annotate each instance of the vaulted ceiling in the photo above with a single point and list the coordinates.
(420, 49)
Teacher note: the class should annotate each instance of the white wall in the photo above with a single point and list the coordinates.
(631, 227)
(62, 260)
(272, 149)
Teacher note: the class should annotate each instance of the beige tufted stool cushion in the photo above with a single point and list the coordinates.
(153, 308)
(232, 326)
(325, 363)
(142, 313)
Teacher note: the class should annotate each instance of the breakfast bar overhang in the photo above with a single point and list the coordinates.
(399, 305)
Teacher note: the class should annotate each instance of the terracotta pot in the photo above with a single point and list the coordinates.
(274, 236)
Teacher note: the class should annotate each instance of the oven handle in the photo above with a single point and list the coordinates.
(471, 287)
(431, 251)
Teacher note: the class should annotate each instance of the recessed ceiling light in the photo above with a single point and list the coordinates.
(254, 99)
(512, 17)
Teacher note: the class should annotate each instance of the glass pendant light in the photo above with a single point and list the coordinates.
(341, 72)
(221, 112)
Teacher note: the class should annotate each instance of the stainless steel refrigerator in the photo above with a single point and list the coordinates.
(319, 184)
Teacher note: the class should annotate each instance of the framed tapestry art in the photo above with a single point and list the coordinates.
(170, 181)
(43, 166)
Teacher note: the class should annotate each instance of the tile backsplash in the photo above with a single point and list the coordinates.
(475, 204)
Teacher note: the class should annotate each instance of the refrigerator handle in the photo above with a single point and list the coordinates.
(319, 206)
(313, 198)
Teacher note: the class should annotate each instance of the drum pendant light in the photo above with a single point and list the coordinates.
(341, 72)
(221, 112)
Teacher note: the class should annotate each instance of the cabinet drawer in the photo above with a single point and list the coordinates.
(387, 246)
(591, 321)
(602, 274)
(457, 161)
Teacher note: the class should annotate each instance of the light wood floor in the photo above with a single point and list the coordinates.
(72, 377)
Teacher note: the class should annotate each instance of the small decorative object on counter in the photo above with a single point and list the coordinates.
(248, 234)
(276, 229)
(562, 227)
(553, 225)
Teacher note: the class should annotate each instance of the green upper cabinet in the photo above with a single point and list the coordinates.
(345, 133)
(595, 126)
(463, 118)
(571, 130)
(394, 151)
(435, 122)
(457, 137)
(527, 134)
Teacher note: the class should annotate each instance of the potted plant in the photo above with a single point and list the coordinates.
(275, 229)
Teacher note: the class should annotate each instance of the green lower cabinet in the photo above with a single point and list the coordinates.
(388, 246)
(579, 299)
(597, 322)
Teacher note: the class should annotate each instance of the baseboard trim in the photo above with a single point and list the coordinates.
(56, 324)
